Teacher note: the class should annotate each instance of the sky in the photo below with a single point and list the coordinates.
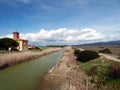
(70, 22)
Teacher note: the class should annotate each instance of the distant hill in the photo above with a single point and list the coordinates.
(103, 43)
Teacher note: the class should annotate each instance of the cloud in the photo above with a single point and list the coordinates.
(14, 2)
(78, 2)
(24, 1)
(35, 3)
(63, 36)
(115, 36)
(67, 36)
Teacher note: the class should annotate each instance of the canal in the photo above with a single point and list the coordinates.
(26, 75)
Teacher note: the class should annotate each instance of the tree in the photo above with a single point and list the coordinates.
(76, 52)
(6, 43)
(105, 51)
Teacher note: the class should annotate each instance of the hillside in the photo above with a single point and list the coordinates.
(103, 43)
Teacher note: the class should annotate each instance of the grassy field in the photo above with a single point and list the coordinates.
(114, 49)
(96, 72)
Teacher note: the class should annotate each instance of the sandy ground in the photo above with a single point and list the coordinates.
(110, 57)
(65, 76)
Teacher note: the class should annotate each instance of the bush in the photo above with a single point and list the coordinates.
(118, 56)
(92, 70)
(34, 49)
(114, 70)
(105, 51)
(38, 48)
(87, 55)
(4, 66)
(76, 52)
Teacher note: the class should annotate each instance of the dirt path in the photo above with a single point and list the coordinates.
(65, 76)
(110, 57)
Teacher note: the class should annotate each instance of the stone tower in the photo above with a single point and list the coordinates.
(15, 35)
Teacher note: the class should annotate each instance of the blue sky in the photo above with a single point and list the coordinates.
(30, 17)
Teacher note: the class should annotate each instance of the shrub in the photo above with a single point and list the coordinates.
(76, 52)
(92, 70)
(105, 51)
(114, 70)
(4, 66)
(35, 49)
(87, 55)
(38, 48)
(118, 56)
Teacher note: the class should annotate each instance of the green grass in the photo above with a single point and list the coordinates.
(3, 51)
(96, 72)
(101, 64)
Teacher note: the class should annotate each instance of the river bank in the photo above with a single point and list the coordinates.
(64, 76)
(26, 75)
(10, 59)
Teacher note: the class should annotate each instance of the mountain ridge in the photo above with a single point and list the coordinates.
(112, 43)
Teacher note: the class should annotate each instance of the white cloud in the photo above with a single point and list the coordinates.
(63, 36)
(24, 1)
(14, 2)
(67, 36)
(72, 3)
(114, 36)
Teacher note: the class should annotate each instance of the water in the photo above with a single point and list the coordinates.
(26, 75)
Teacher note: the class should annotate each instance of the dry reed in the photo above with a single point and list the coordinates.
(10, 59)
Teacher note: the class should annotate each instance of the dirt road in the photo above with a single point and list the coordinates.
(65, 76)
(109, 57)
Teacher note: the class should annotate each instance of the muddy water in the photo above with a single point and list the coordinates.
(25, 76)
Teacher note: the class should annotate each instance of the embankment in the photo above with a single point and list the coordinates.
(64, 76)
(10, 59)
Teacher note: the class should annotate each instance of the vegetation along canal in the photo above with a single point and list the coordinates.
(25, 76)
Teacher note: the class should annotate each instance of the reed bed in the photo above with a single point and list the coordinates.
(10, 59)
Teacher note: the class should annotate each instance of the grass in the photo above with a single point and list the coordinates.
(3, 51)
(96, 72)
(119, 56)
(9, 59)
